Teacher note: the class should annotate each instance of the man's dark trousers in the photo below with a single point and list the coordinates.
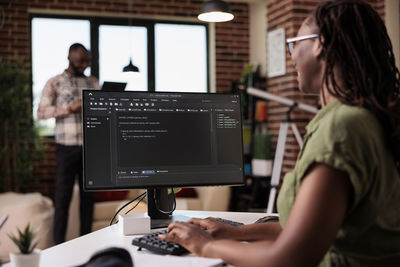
(69, 165)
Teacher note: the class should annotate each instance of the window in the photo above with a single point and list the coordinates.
(171, 56)
(181, 58)
(118, 45)
(51, 39)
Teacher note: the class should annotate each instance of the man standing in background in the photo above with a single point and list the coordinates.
(62, 99)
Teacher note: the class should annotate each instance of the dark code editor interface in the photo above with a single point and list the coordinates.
(143, 139)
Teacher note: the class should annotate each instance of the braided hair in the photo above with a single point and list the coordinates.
(354, 38)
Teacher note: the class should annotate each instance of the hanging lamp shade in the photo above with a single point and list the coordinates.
(215, 11)
(130, 67)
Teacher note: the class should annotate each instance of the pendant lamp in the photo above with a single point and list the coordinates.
(130, 67)
(215, 11)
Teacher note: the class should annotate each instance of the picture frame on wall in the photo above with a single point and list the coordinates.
(276, 53)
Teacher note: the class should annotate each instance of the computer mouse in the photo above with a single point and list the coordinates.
(110, 257)
(268, 219)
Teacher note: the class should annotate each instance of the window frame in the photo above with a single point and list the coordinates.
(97, 21)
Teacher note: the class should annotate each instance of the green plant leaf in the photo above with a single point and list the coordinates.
(33, 246)
(19, 139)
(24, 239)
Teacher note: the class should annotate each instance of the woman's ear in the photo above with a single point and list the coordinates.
(317, 48)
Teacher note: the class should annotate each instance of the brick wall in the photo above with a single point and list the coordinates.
(232, 46)
(289, 14)
(44, 171)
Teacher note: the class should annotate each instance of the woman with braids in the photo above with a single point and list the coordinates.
(340, 206)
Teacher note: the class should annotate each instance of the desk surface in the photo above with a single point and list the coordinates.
(79, 250)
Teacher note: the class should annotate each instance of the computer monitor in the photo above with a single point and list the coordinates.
(155, 140)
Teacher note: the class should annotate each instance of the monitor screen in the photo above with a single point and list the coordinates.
(153, 140)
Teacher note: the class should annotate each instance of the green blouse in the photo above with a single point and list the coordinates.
(351, 139)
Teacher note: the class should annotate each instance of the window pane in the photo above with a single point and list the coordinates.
(51, 39)
(181, 58)
(118, 44)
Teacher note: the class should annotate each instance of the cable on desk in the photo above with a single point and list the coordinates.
(142, 195)
(140, 200)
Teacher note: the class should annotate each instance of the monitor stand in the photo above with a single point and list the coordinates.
(165, 202)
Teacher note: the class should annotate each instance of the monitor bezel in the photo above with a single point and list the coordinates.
(150, 186)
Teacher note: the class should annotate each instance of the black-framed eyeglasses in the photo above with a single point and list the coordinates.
(292, 41)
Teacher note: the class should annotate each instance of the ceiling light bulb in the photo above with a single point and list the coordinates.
(215, 16)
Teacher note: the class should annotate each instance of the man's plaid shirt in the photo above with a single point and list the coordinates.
(60, 92)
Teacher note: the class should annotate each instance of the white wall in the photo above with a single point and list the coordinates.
(258, 35)
(392, 20)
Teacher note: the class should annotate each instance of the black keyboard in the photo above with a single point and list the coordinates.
(157, 245)
(233, 223)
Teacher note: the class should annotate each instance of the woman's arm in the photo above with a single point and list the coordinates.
(249, 232)
(316, 216)
(259, 231)
(313, 223)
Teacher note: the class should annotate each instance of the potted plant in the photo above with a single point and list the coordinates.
(261, 164)
(28, 255)
(20, 145)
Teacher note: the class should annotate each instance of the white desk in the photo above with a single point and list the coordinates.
(79, 250)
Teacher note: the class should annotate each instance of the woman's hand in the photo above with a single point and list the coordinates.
(217, 230)
(188, 235)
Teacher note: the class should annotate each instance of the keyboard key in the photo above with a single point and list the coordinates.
(154, 244)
